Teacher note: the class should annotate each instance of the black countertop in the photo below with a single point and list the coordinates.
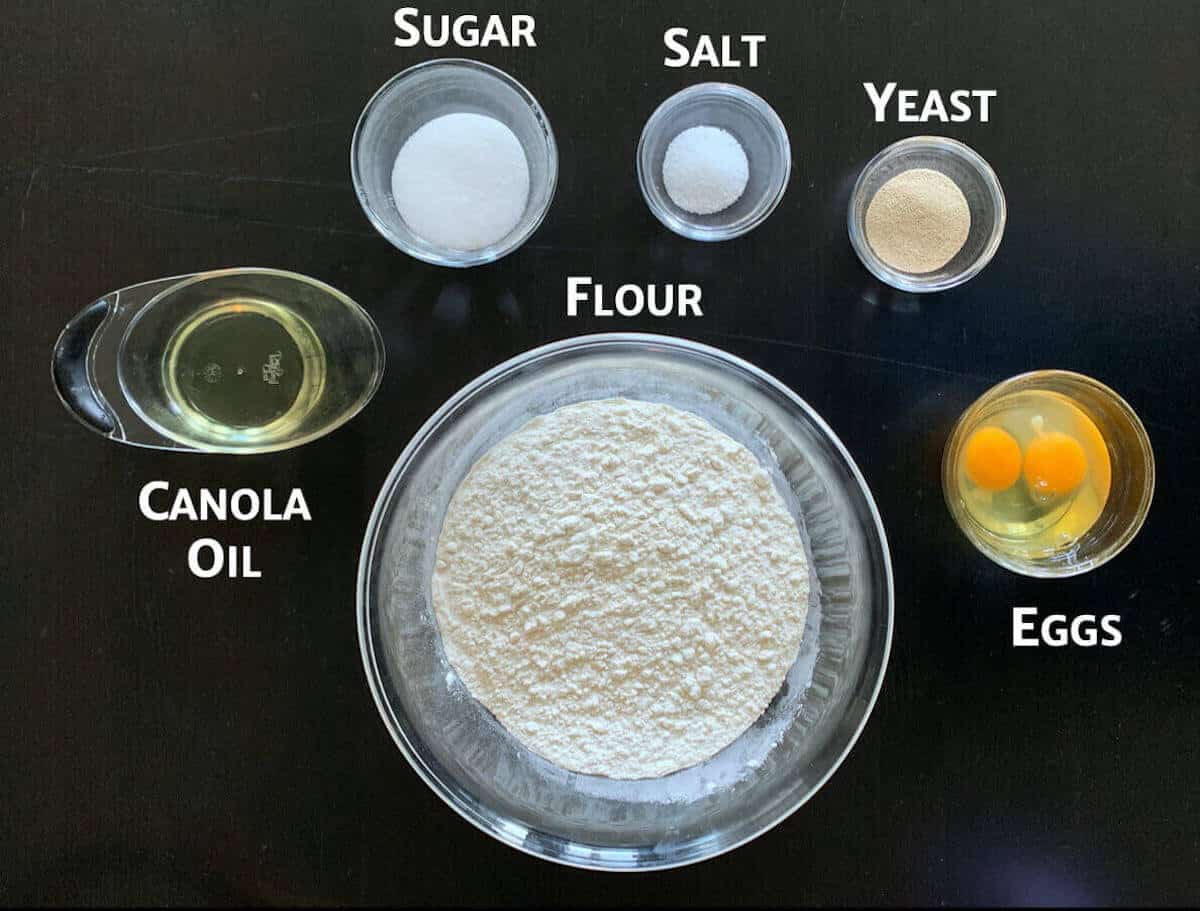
(171, 739)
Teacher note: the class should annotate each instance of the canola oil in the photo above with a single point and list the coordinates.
(1034, 471)
(243, 368)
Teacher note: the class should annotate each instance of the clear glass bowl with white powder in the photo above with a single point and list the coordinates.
(742, 116)
(486, 774)
(451, 134)
(980, 191)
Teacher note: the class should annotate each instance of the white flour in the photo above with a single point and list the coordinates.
(621, 584)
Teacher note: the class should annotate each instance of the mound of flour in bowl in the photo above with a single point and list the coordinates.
(621, 584)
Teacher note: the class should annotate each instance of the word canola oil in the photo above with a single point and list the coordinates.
(244, 368)
(1034, 471)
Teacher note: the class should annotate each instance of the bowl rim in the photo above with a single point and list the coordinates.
(475, 257)
(682, 226)
(905, 281)
(371, 536)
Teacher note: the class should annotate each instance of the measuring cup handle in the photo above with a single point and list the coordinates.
(69, 369)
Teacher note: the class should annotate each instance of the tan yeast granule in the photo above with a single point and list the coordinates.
(918, 221)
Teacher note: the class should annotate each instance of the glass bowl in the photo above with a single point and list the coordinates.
(489, 778)
(752, 122)
(1130, 493)
(412, 98)
(979, 185)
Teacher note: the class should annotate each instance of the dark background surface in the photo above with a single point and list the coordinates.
(164, 738)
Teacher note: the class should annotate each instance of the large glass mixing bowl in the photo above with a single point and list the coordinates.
(478, 768)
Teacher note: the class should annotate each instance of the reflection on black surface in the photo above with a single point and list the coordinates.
(457, 327)
(452, 308)
(1007, 873)
(876, 294)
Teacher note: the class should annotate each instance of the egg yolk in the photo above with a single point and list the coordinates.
(992, 459)
(1055, 464)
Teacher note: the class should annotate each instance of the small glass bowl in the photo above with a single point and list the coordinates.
(414, 97)
(979, 185)
(752, 122)
(1129, 496)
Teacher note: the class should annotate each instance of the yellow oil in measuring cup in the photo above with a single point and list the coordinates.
(244, 366)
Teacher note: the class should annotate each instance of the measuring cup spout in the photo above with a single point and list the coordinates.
(69, 369)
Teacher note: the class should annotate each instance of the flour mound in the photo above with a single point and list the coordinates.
(621, 584)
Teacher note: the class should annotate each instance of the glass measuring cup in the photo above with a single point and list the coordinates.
(238, 361)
